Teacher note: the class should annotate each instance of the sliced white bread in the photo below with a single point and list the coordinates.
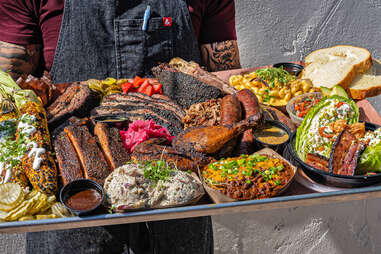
(367, 84)
(337, 65)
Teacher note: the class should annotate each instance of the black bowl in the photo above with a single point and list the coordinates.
(80, 185)
(329, 179)
(119, 121)
(276, 147)
(292, 68)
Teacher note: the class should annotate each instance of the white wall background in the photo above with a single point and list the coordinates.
(285, 30)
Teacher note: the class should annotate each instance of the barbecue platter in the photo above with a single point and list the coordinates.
(181, 138)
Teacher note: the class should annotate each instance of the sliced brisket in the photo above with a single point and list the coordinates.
(162, 101)
(92, 159)
(183, 88)
(170, 122)
(68, 162)
(77, 100)
(112, 145)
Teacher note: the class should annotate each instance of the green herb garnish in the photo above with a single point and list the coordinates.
(157, 170)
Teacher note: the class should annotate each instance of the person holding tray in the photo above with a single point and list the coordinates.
(77, 40)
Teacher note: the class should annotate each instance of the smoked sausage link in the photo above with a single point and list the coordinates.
(251, 107)
(249, 102)
(231, 112)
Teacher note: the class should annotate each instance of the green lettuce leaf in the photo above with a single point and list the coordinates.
(304, 127)
(370, 160)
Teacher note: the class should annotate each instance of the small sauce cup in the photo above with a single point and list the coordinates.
(118, 121)
(269, 128)
(82, 196)
(291, 68)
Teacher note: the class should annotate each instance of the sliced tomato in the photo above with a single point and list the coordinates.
(323, 134)
(143, 86)
(148, 90)
(338, 105)
(138, 81)
(126, 87)
(157, 87)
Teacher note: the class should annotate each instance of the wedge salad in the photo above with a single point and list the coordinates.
(332, 139)
(314, 132)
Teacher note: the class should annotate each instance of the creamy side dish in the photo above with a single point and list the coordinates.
(128, 188)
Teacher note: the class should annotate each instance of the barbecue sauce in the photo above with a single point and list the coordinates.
(84, 200)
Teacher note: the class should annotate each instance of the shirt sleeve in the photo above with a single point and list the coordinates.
(18, 22)
(218, 22)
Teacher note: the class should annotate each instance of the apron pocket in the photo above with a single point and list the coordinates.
(137, 51)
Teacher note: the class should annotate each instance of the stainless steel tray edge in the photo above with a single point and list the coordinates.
(192, 211)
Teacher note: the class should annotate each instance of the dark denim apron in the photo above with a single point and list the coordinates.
(104, 38)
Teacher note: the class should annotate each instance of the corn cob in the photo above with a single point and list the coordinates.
(38, 163)
(9, 170)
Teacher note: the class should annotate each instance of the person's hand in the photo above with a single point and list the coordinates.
(19, 59)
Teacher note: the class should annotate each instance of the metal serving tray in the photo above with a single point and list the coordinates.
(295, 196)
(290, 201)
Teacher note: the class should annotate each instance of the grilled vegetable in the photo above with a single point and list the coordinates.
(38, 162)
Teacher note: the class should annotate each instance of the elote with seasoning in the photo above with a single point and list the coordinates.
(37, 163)
(10, 170)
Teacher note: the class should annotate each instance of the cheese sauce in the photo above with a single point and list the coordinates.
(271, 135)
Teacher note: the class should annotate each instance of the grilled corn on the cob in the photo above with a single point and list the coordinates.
(10, 170)
(38, 163)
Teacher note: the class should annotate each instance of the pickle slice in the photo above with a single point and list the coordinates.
(109, 81)
(113, 92)
(3, 215)
(60, 210)
(22, 210)
(10, 194)
(28, 217)
(121, 81)
(41, 202)
(49, 202)
(45, 216)
(31, 194)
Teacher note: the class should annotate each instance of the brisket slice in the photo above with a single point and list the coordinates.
(68, 162)
(71, 121)
(168, 121)
(112, 145)
(92, 159)
(185, 89)
(77, 100)
(193, 69)
(162, 102)
(130, 105)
